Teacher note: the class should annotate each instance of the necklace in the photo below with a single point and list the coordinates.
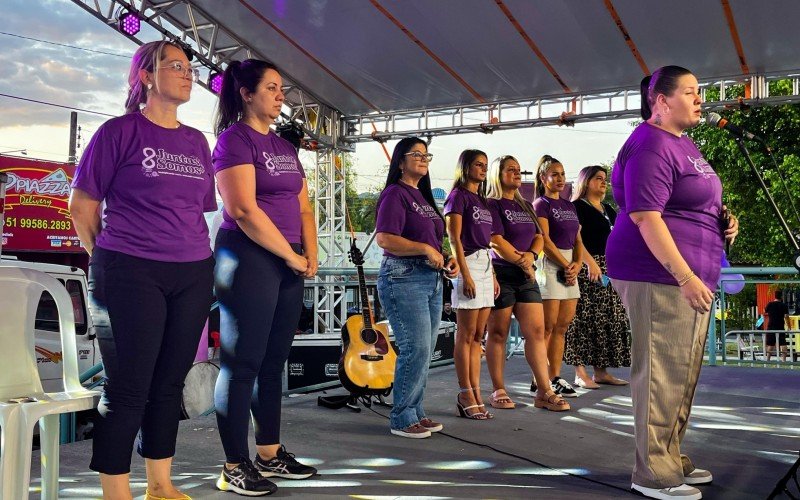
(154, 123)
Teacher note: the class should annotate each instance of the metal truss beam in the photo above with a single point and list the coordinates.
(563, 109)
(213, 47)
(330, 209)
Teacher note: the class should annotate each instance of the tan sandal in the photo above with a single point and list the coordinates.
(500, 400)
(552, 402)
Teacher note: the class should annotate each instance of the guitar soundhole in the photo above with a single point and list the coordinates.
(372, 337)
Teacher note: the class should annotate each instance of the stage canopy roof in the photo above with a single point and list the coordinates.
(363, 57)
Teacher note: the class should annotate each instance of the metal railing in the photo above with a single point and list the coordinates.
(792, 345)
(727, 277)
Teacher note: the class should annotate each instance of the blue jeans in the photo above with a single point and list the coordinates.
(410, 292)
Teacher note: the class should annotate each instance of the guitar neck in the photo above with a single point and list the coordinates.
(366, 310)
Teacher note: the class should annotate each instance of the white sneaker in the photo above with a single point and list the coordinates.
(698, 476)
(682, 492)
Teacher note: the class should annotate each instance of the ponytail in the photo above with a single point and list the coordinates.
(245, 74)
(644, 88)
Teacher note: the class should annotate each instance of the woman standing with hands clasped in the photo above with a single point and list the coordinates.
(150, 273)
(266, 245)
(598, 336)
(516, 243)
(664, 259)
(469, 225)
(410, 228)
(563, 259)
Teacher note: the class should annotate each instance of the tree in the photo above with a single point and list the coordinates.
(761, 239)
(360, 207)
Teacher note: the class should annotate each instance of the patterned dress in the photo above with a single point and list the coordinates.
(600, 333)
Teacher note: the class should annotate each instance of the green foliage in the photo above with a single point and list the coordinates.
(360, 207)
(761, 239)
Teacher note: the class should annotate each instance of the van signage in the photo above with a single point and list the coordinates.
(36, 206)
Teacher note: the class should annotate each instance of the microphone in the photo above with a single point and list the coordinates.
(715, 120)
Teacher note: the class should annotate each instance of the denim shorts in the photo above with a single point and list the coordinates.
(515, 287)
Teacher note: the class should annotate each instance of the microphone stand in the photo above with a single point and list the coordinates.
(783, 484)
(789, 234)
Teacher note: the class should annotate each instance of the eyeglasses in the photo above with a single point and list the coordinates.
(427, 157)
(184, 71)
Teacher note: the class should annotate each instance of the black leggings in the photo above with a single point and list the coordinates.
(148, 316)
(260, 303)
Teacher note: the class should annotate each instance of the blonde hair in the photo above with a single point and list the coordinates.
(495, 186)
(145, 58)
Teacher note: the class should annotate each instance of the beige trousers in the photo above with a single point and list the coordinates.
(667, 343)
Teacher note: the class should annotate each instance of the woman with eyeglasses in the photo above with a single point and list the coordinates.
(516, 244)
(562, 261)
(598, 336)
(409, 228)
(265, 247)
(150, 273)
(664, 258)
(469, 225)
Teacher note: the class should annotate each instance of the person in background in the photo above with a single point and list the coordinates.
(150, 273)
(448, 313)
(664, 260)
(776, 315)
(516, 244)
(266, 246)
(598, 335)
(469, 225)
(410, 228)
(563, 259)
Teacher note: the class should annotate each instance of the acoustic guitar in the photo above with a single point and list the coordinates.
(368, 358)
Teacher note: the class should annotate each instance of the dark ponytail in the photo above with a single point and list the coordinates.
(245, 74)
(664, 80)
(643, 87)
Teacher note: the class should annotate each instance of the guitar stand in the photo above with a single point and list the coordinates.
(351, 401)
(338, 402)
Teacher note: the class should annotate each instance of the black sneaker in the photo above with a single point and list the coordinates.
(284, 465)
(563, 388)
(245, 479)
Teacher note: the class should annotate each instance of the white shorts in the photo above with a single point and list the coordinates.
(549, 285)
(480, 269)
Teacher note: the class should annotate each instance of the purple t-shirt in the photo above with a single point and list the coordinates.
(279, 175)
(562, 219)
(156, 183)
(514, 224)
(657, 171)
(476, 219)
(403, 211)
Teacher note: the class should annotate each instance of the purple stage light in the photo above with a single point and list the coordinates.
(129, 23)
(215, 82)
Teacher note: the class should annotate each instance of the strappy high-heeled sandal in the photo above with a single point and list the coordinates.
(462, 410)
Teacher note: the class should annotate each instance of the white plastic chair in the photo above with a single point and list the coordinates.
(23, 402)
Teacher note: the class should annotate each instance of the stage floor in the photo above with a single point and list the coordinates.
(745, 428)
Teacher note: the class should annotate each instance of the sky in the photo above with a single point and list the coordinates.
(33, 67)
